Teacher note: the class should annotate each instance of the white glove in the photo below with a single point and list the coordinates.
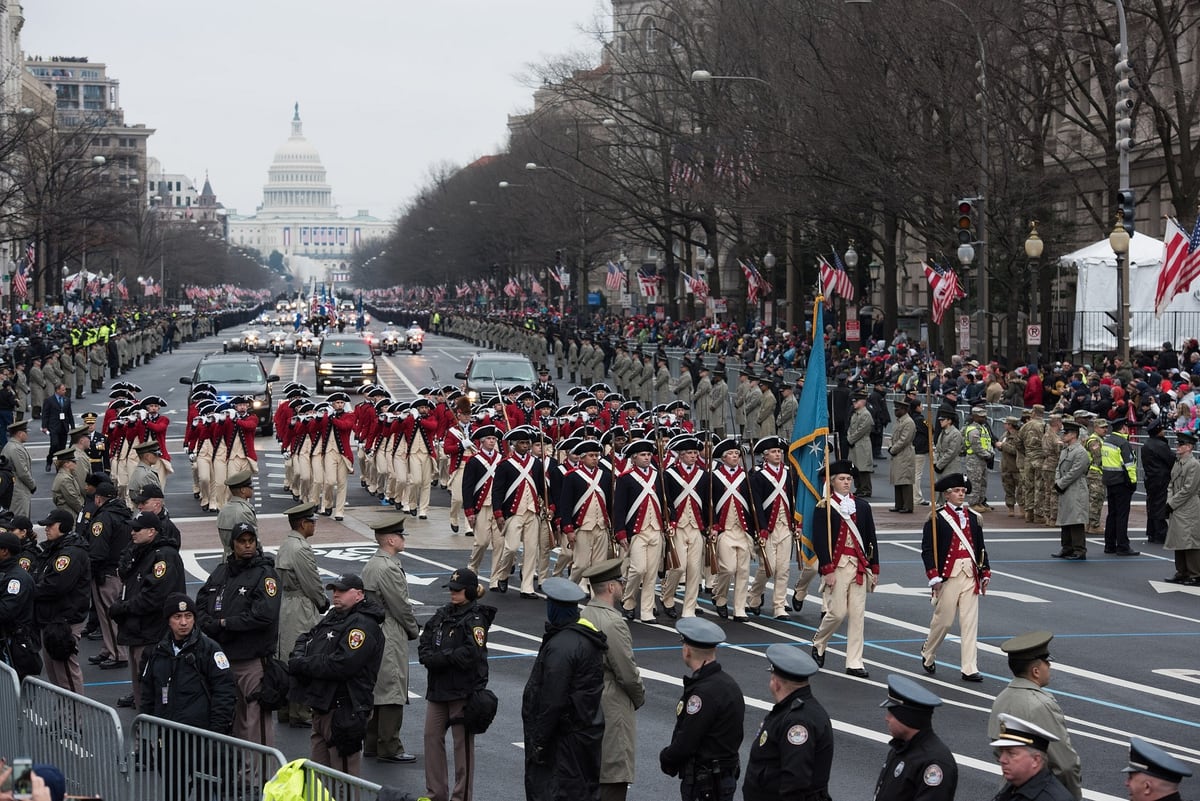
(142, 414)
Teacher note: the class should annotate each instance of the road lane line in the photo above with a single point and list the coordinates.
(411, 386)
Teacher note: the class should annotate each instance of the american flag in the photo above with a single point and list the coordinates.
(755, 284)
(559, 274)
(1181, 265)
(21, 279)
(943, 289)
(123, 289)
(536, 288)
(462, 291)
(835, 281)
(698, 286)
(648, 282)
(512, 288)
(615, 278)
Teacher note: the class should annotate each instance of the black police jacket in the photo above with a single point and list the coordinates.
(109, 537)
(453, 649)
(708, 724)
(239, 607)
(338, 659)
(922, 767)
(792, 754)
(561, 713)
(16, 598)
(63, 578)
(194, 686)
(149, 574)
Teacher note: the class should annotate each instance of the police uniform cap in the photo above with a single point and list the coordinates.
(904, 694)
(89, 417)
(587, 446)
(303, 511)
(1071, 425)
(1017, 732)
(1184, 438)
(767, 443)
(20, 425)
(1148, 758)
(485, 431)
(791, 663)
(952, 481)
(842, 467)
(563, 591)
(700, 633)
(389, 524)
(147, 447)
(20, 522)
(947, 414)
(608, 570)
(1119, 424)
(640, 446)
(346, 581)
(10, 542)
(1029, 646)
(77, 431)
(240, 479)
(150, 520)
(462, 579)
(105, 489)
(147, 492)
(178, 602)
(65, 455)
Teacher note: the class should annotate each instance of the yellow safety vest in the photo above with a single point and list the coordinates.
(1116, 456)
(985, 438)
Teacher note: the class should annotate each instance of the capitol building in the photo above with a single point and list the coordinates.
(298, 218)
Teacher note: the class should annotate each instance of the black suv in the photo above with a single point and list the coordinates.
(344, 360)
(234, 374)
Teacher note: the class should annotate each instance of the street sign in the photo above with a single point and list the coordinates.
(593, 298)
(964, 324)
(1033, 335)
(566, 280)
(626, 300)
(853, 334)
(717, 305)
(964, 333)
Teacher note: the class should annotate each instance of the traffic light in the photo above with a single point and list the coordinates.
(558, 258)
(1123, 111)
(1114, 327)
(1127, 207)
(964, 225)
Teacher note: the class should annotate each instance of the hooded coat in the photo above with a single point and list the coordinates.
(149, 573)
(339, 659)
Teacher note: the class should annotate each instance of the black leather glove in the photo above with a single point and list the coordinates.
(211, 626)
(1059, 490)
(118, 611)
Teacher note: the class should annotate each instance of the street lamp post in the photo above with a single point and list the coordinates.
(769, 263)
(1033, 252)
(1118, 240)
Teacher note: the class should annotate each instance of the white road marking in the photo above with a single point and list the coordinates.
(1166, 586)
(1020, 597)
(411, 386)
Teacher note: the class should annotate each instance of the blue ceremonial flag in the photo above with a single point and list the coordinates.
(807, 451)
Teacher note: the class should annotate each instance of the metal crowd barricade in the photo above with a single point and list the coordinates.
(322, 783)
(175, 762)
(81, 736)
(10, 711)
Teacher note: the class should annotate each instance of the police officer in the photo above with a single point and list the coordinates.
(709, 717)
(108, 537)
(1119, 468)
(918, 764)
(18, 647)
(335, 665)
(1022, 746)
(1152, 774)
(238, 606)
(303, 595)
(62, 576)
(792, 754)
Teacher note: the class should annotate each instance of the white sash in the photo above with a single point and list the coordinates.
(524, 473)
(489, 474)
(779, 488)
(593, 488)
(850, 525)
(730, 492)
(648, 491)
(958, 532)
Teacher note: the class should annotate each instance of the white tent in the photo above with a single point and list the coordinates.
(1096, 293)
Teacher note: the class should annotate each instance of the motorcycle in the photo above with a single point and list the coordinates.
(416, 340)
(390, 343)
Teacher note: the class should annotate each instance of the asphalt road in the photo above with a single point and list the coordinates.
(1125, 645)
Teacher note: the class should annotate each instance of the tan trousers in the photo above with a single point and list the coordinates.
(316, 480)
(591, 547)
(689, 547)
(67, 673)
(398, 479)
(846, 601)
(302, 472)
(957, 595)
(487, 535)
(383, 469)
(521, 531)
(135, 670)
(420, 478)
(250, 721)
(105, 595)
(366, 466)
(326, 754)
(779, 556)
(436, 765)
(456, 497)
(203, 469)
(733, 558)
(333, 487)
(645, 557)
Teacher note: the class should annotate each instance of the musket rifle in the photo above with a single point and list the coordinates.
(670, 555)
(710, 539)
(759, 542)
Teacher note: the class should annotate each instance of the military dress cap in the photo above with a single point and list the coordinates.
(768, 443)
(65, 520)
(145, 520)
(240, 479)
(1037, 408)
(303, 511)
(105, 489)
(1083, 414)
(524, 396)
(1029, 646)
(462, 579)
(389, 524)
(904, 692)
(20, 425)
(204, 385)
(89, 417)
(685, 442)
(861, 394)
(700, 633)
(842, 467)
(178, 602)
(726, 445)
(947, 414)
(952, 481)
(608, 570)
(640, 446)
(148, 447)
(563, 591)
(151, 490)
(900, 403)
(791, 663)
(587, 446)
(346, 581)
(485, 431)
(1148, 758)
(1072, 426)
(544, 405)
(420, 403)
(65, 455)
(153, 400)
(77, 431)
(240, 399)
(242, 529)
(1017, 732)
(1184, 438)
(339, 396)
(10, 542)
(678, 404)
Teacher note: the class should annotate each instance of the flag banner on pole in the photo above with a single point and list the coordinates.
(809, 435)
(1180, 264)
(834, 278)
(615, 279)
(648, 282)
(943, 289)
(697, 286)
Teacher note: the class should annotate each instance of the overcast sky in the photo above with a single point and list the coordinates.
(386, 88)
